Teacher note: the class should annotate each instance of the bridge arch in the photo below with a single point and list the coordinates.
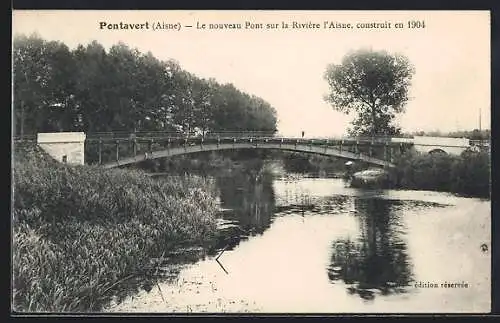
(451, 146)
(296, 147)
(437, 151)
(440, 149)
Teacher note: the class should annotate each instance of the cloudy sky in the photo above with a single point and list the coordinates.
(285, 67)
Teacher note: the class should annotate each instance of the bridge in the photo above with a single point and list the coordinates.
(120, 149)
(305, 146)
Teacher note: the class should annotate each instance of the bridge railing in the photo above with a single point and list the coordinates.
(174, 134)
(175, 138)
(256, 136)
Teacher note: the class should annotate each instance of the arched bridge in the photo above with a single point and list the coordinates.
(305, 146)
(119, 149)
(130, 149)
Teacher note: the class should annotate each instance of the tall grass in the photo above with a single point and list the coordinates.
(79, 230)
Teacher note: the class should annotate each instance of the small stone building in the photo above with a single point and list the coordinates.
(65, 147)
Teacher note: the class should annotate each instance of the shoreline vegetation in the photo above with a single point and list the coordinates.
(78, 232)
(467, 175)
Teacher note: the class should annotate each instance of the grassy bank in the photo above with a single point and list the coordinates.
(79, 231)
(467, 174)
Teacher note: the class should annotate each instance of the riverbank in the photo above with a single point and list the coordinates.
(466, 175)
(79, 232)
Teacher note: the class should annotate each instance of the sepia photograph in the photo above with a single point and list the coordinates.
(253, 161)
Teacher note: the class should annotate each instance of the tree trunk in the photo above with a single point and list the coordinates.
(374, 127)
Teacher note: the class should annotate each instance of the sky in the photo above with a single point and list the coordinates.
(285, 66)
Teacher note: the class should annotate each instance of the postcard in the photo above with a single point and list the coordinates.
(270, 161)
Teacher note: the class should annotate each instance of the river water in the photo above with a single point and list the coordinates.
(293, 244)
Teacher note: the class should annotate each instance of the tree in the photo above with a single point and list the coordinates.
(43, 85)
(93, 90)
(373, 84)
(93, 79)
(29, 80)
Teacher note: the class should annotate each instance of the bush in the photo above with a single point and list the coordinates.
(467, 174)
(79, 229)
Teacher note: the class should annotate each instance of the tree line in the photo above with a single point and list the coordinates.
(92, 89)
(475, 134)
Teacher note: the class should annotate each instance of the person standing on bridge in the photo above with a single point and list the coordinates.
(302, 133)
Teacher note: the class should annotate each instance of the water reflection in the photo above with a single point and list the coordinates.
(248, 201)
(377, 261)
(307, 205)
(314, 241)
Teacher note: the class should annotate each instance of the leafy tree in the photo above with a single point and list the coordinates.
(202, 92)
(373, 84)
(184, 105)
(92, 83)
(93, 90)
(28, 81)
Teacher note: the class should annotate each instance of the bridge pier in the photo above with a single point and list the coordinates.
(150, 145)
(117, 144)
(100, 151)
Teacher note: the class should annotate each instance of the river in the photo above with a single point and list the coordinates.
(294, 244)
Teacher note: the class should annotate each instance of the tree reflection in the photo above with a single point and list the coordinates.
(249, 200)
(376, 262)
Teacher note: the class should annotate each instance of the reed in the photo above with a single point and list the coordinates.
(78, 231)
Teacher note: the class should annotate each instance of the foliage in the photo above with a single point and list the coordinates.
(77, 231)
(472, 135)
(372, 84)
(467, 174)
(93, 90)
